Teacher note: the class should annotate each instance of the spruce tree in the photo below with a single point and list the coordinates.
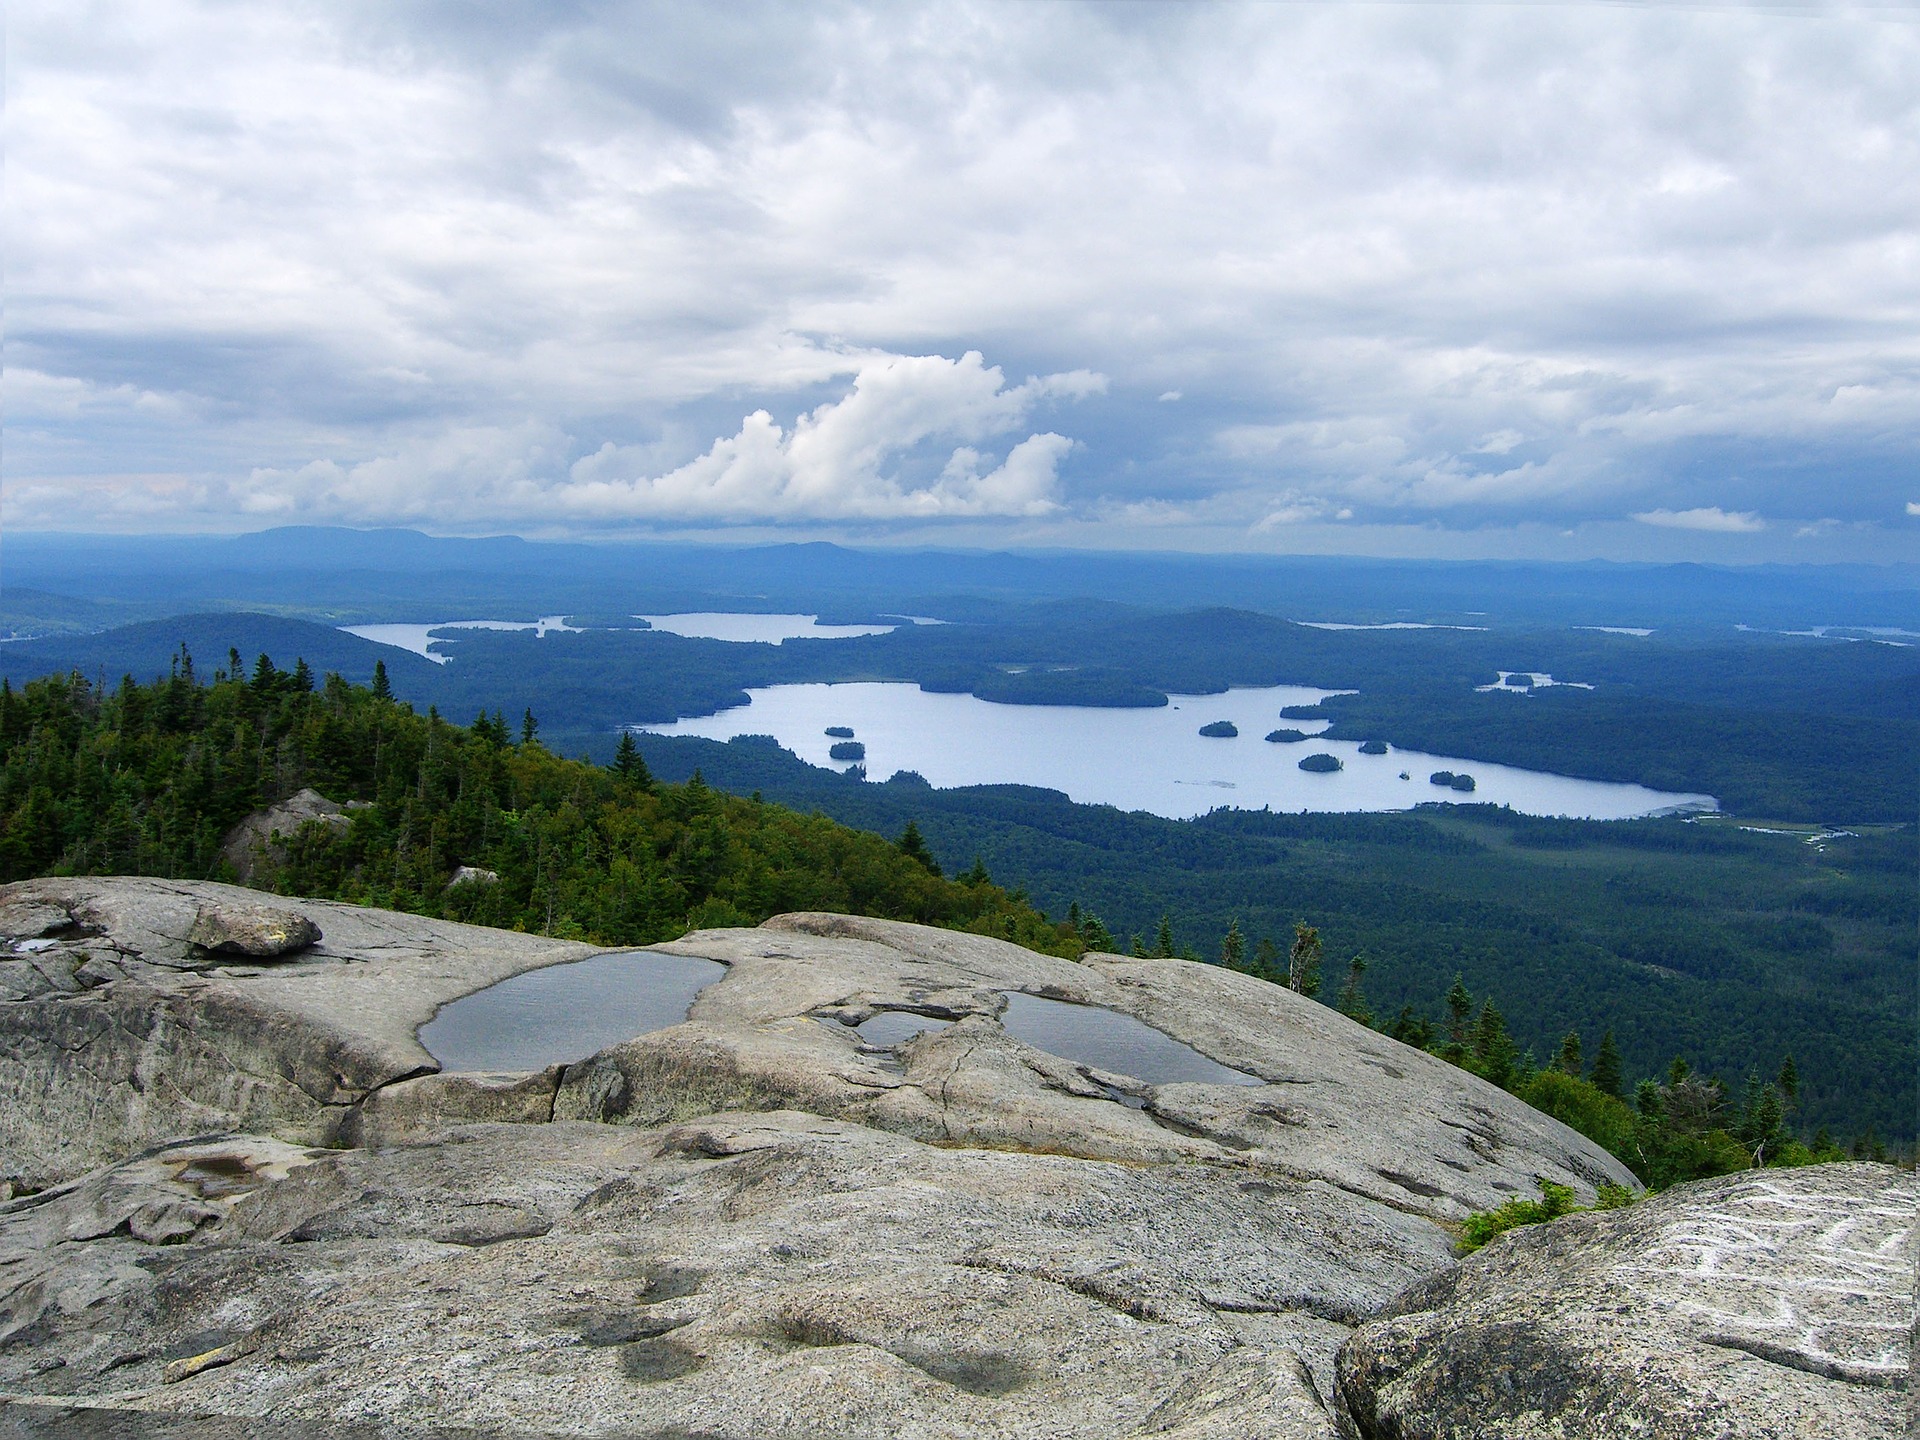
(1606, 1066)
(629, 764)
(1568, 1059)
(1163, 938)
(1303, 960)
(1459, 1006)
(1233, 947)
(382, 687)
(1352, 1001)
(911, 845)
(1493, 1045)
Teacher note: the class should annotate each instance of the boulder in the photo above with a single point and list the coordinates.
(1769, 1305)
(265, 932)
(262, 835)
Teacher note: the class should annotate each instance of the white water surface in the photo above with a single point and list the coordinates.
(1146, 759)
(1384, 625)
(762, 629)
(420, 639)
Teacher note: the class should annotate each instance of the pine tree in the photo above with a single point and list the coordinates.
(1762, 1120)
(1788, 1083)
(529, 727)
(1493, 1045)
(1646, 1099)
(911, 845)
(978, 874)
(302, 676)
(1266, 960)
(1352, 1001)
(382, 687)
(1095, 936)
(1606, 1066)
(1163, 938)
(1459, 1006)
(1233, 947)
(1568, 1059)
(629, 764)
(1303, 960)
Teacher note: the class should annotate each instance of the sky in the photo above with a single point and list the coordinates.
(1542, 280)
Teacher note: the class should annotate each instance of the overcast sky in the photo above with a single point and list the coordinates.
(1435, 279)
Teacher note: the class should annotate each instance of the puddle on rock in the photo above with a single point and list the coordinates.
(896, 1027)
(219, 1177)
(1107, 1040)
(564, 1013)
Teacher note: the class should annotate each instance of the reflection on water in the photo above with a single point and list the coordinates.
(1108, 1040)
(896, 1027)
(564, 1013)
(1142, 759)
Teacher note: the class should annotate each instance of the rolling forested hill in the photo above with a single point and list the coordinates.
(148, 779)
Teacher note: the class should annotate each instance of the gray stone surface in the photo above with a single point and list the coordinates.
(1342, 1103)
(757, 1275)
(753, 1223)
(1770, 1305)
(123, 1031)
(119, 1029)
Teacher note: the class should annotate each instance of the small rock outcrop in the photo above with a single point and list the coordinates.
(1771, 1305)
(265, 832)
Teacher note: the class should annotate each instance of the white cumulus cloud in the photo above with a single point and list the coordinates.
(847, 459)
(1705, 517)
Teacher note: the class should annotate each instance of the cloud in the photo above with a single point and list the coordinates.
(1913, 507)
(842, 460)
(469, 265)
(1707, 517)
(1296, 507)
(1167, 397)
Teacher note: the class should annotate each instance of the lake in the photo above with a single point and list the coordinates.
(1147, 759)
(420, 639)
(757, 629)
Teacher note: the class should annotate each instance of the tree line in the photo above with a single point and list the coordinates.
(149, 779)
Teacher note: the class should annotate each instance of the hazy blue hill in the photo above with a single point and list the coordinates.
(148, 649)
(378, 568)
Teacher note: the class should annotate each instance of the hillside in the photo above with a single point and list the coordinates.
(148, 779)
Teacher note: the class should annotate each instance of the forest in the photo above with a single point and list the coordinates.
(148, 779)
